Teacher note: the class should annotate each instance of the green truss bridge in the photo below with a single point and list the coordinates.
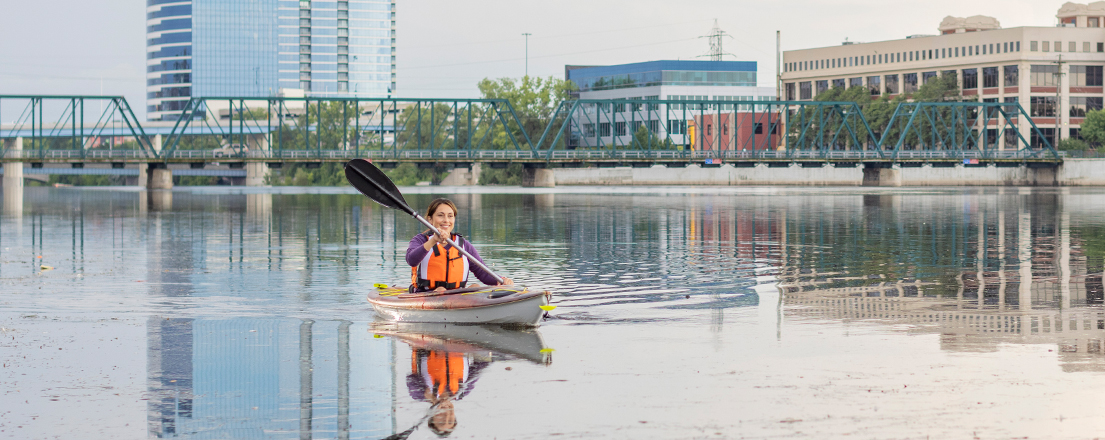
(244, 137)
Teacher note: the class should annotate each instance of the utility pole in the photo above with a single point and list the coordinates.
(1058, 102)
(527, 34)
(778, 71)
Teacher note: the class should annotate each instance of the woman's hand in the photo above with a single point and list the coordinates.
(507, 282)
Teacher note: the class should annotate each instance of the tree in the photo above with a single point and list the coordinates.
(534, 100)
(1093, 127)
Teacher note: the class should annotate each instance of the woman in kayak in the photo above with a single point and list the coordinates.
(436, 265)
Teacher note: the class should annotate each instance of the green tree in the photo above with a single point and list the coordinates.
(534, 100)
(1072, 144)
(1093, 127)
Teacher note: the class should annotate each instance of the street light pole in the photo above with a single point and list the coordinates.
(527, 34)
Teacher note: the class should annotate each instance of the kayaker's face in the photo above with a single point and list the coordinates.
(443, 219)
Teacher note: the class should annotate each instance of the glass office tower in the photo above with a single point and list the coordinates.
(207, 48)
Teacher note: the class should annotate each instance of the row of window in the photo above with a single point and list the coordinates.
(170, 78)
(1072, 46)
(665, 77)
(1040, 76)
(901, 57)
(674, 127)
(170, 11)
(174, 24)
(170, 92)
(169, 52)
(175, 37)
(170, 65)
(1044, 106)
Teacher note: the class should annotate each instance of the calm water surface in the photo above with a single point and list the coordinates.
(682, 313)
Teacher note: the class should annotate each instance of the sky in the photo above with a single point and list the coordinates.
(445, 47)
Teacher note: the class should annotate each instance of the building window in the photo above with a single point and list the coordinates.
(1085, 76)
(1042, 105)
(909, 83)
(970, 78)
(805, 91)
(957, 52)
(1058, 46)
(1018, 46)
(1038, 141)
(873, 85)
(839, 82)
(891, 84)
(619, 129)
(927, 76)
(1012, 76)
(1093, 22)
(604, 129)
(677, 127)
(1080, 105)
(1043, 76)
(855, 82)
(1005, 47)
(1047, 46)
(1101, 47)
(589, 130)
(954, 75)
(789, 88)
(1033, 46)
(989, 77)
(822, 86)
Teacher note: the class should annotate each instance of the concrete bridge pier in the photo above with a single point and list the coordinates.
(469, 176)
(257, 172)
(881, 174)
(538, 178)
(158, 176)
(13, 179)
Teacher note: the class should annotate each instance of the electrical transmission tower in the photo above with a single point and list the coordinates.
(716, 37)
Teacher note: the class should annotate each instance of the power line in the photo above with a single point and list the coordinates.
(550, 56)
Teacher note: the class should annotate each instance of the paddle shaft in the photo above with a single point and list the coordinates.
(406, 208)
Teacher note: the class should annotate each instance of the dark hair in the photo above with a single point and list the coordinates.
(437, 204)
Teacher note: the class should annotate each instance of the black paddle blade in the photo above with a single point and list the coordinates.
(373, 183)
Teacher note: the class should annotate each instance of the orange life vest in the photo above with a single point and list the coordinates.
(447, 371)
(441, 268)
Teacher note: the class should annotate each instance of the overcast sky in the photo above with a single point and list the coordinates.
(446, 47)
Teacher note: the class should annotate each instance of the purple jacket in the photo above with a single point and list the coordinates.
(416, 252)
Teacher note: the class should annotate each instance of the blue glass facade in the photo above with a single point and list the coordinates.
(665, 73)
(258, 47)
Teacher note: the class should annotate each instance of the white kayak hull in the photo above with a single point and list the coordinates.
(526, 311)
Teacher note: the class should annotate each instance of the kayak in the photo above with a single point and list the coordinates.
(524, 344)
(503, 305)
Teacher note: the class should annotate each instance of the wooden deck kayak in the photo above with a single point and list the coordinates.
(504, 305)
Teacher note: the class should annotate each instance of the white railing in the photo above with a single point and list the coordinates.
(500, 155)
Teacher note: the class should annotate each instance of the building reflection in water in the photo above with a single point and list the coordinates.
(1019, 277)
(265, 378)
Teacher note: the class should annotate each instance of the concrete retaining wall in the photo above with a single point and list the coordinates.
(1073, 172)
(1082, 172)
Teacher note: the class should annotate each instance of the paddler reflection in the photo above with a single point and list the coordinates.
(441, 378)
(447, 360)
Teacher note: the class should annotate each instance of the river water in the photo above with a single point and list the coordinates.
(681, 313)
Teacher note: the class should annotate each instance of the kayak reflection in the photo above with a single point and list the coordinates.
(447, 360)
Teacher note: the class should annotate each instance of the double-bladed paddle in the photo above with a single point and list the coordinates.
(373, 183)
